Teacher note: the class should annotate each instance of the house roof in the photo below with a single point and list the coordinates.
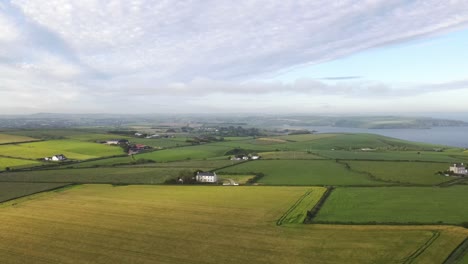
(206, 174)
(459, 165)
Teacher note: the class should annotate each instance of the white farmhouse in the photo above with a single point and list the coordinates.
(58, 157)
(206, 177)
(458, 168)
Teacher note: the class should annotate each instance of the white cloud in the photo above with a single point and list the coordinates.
(199, 48)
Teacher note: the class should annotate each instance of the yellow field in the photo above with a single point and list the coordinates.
(198, 224)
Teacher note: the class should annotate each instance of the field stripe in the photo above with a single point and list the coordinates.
(458, 253)
(420, 250)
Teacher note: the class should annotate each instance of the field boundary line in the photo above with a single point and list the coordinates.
(21, 142)
(420, 250)
(34, 193)
(281, 219)
(458, 253)
(314, 211)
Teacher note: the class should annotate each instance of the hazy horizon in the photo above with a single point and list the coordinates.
(319, 57)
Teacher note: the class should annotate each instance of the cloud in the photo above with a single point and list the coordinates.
(340, 78)
(197, 48)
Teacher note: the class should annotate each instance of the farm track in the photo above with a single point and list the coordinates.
(419, 251)
(458, 253)
(281, 219)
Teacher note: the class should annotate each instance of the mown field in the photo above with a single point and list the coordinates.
(403, 172)
(117, 175)
(11, 190)
(16, 163)
(6, 138)
(72, 149)
(171, 224)
(303, 172)
(396, 205)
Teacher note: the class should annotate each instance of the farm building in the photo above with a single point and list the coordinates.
(58, 157)
(206, 177)
(116, 141)
(459, 168)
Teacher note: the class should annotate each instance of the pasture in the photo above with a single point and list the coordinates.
(72, 149)
(6, 138)
(303, 172)
(396, 205)
(186, 153)
(430, 156)
(16, 163)
(240, 179)
(173, 224)
(12, 190)
(117, 175)
(288, 155)
(403, 172)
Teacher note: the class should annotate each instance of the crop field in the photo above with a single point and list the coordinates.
(71, 149)
(6, 138)
(403, 172)
(186, 153)
(303, 172)
(433, 156)
(117, 175)
(288, 155)
(11, 190)
(396, 205)
(172, 224)
(16, 163)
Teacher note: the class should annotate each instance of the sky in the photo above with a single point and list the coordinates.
(314, 57)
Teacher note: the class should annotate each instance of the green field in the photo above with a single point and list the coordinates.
(16, 163)
(72, 149)
(288, 155)
(303, 172)
(396, 205)
(450, 157)
(297, 213)
(117, 175)
(240, 179)
(404, 172)
(185, 153)
(173, 224)
(6, 138)
(11, 190)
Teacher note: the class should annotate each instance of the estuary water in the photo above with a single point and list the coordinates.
(450, 136)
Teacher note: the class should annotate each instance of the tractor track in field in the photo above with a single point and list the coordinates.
(281, 219)
(420, 250)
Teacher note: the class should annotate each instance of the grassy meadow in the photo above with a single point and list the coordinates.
(303, 172)
(170, 224)
(186, 153)
(12, 190)
(396, 205)
(16, 163)
(403, 172)
(117, 175)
